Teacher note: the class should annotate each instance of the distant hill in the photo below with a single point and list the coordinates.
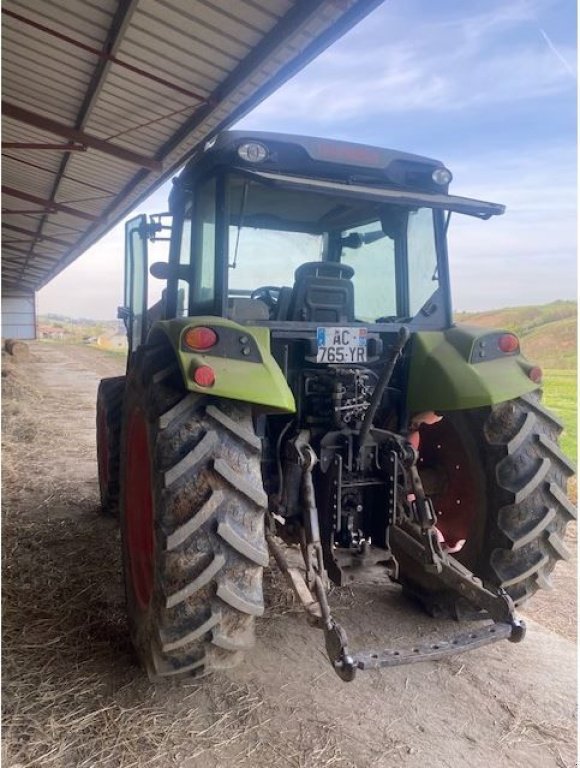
(71, 329)
(547, 332)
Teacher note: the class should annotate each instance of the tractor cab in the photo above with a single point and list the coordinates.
(271, 229)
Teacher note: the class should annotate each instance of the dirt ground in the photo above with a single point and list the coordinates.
(74, 697)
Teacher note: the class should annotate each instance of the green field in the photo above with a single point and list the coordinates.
(560, 395)
(548, 336)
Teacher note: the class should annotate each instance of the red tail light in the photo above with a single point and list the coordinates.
(200, 338)
(204, 376)
(508, 342)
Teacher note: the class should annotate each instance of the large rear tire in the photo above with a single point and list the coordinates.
(500, 484)
(109, 408)
(192, 522)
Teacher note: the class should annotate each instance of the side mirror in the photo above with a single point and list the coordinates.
(163, 271)
(393, 223)
(160, 270)
(123, 313)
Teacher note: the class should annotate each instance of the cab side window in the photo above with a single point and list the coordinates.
(203, 282)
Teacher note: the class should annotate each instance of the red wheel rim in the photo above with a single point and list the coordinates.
(138, 510)
(102, 447)
(449, 480)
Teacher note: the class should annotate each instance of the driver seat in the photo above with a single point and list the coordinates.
(322, 293)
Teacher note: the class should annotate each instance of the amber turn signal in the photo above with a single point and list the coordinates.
(536, 374)
(200, 338)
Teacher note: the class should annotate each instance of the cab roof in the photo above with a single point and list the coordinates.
(319, 158)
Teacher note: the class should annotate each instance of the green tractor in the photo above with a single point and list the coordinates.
(302, 381)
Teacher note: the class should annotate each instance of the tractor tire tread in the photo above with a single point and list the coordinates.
(525, 538)
(211, 547)
(110, 399)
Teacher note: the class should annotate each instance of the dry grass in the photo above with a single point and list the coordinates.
(72, 693)
(73, 696)
(524, 727)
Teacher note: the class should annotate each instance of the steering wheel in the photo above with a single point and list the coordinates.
(268, 294)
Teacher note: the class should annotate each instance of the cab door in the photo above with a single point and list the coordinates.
(134, 311)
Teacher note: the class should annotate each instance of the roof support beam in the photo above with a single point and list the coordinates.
(21, 255)
(82, 182)
(80, 137)
(13, 269)
(21, 252)
(11, 283)
(45, 147)
(295, 18)
(49, 205)
(104, 55)
(119, 24)
(15, 264)
(35, 236)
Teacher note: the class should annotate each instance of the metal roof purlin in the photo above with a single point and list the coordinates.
(82, 182)
(50, 205)
(103, 75)
(295, 18)
(80, 137)
(38, 237)
(103, 54)
(119, 23)
(27, 145)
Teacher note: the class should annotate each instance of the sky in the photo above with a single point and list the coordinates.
(486, 86)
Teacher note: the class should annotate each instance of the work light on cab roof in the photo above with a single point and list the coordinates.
(252, 152)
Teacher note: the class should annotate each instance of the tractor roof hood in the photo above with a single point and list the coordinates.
(466, 205)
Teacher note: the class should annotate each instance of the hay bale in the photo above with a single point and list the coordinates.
(18, 349)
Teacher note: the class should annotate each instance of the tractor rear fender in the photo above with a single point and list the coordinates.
(242, 364)
(462, 368)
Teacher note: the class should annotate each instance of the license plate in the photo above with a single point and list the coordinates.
(341, 345)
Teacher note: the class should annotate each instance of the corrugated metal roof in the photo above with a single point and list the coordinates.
(102, 102)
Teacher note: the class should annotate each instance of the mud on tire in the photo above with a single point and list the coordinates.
(208, 548)
(109, 413)
(522, 538)
(517, 490)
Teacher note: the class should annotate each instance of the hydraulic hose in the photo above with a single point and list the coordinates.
(382, 384)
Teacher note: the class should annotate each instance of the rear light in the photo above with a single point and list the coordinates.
(508, 342)
(200, 338)
(536, 374)
(204, 376)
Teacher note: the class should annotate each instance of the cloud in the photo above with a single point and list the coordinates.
(446, 65)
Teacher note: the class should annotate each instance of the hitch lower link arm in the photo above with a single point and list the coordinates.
(312, 594)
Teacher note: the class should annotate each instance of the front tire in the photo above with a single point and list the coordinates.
(192, 523)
